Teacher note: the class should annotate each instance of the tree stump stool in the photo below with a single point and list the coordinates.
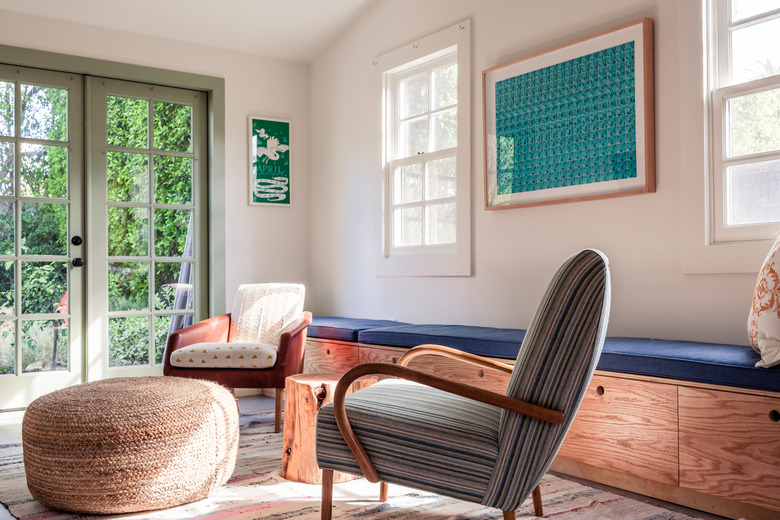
(305, 394)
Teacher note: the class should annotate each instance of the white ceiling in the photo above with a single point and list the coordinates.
(292, 30)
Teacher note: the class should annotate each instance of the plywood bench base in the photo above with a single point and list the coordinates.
(664, 438)
(666, 492)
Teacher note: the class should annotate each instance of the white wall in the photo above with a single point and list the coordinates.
(262, 243)
(517, 250)
(330, 238)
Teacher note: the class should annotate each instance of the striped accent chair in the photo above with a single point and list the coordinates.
(453, 439)
(257, 345)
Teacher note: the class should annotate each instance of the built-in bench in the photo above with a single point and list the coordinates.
(717, 364)
(692, 423)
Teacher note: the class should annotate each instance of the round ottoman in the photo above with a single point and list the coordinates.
(129, 444)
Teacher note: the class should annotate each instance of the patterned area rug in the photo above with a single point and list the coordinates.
(256, 490)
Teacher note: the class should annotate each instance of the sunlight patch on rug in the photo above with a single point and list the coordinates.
(256, 490)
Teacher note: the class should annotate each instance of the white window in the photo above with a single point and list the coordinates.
(426, 156)
(745, 114)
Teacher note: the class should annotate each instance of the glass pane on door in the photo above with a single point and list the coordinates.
(40, 185)
(7, 329)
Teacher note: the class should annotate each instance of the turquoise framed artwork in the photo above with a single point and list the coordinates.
(269, 161)
(572, 123)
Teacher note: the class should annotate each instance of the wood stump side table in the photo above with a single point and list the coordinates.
(305, 394)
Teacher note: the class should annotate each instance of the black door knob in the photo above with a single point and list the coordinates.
(78, 262)
(76, 240)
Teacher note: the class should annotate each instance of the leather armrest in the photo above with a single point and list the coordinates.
(295, 327)
(292, 345)
(210, 330)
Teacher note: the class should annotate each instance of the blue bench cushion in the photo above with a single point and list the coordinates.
(483, 341)
(344, 329)
(730, 365)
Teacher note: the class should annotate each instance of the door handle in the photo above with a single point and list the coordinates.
(78, 262)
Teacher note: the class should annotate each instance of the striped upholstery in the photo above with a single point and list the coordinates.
(261, 311)
(427, 439)
(416, 436)
(553, 369)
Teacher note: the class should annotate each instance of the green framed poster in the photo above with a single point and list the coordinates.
(269, 161)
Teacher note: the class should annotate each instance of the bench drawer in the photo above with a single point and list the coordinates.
(329, 356)
(466, 373)
(373, 354)
(730, 445)
(628, 426)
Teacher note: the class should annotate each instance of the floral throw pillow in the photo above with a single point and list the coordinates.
(764, 317)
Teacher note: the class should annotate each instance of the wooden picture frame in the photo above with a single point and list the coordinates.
(269, 161)
(572, 123)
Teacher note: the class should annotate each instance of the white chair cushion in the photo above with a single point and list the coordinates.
(262, 311)
(225, 355)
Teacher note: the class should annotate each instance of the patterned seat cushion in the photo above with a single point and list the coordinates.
(434, 441)
(225, 355)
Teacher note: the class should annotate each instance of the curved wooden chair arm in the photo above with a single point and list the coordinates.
(441, 350)
(468, 391)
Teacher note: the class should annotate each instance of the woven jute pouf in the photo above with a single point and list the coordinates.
(129, 444)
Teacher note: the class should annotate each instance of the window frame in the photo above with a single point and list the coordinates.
(449, 259)
(720, 91)
(393, 81)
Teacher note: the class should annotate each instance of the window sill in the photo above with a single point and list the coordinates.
(734, 257)
(424, 266)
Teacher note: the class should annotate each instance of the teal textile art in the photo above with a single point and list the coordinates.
(572, 123)
(567, 124)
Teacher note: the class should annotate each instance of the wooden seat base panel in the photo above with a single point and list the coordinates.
(629, 433)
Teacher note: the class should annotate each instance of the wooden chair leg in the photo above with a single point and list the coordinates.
(278, 403)
(326, 509)
(536, 495)
(383, 491)
(509, 515)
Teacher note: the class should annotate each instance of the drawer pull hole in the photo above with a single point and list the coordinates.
(481, 373)
(600, 390)
(327, 352)
(774, 416)
(395, 360)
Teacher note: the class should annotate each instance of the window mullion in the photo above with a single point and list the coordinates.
(752, 20)
(751, 158)
(722, 37)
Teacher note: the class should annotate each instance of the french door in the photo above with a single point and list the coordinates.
(101, 250)
(147, 145)
(41, 196)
